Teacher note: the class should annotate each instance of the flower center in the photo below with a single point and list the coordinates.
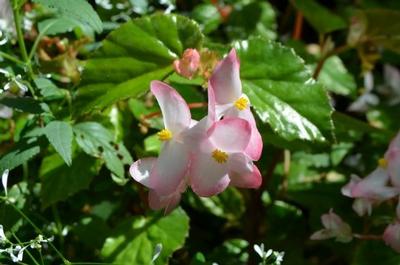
(241, 103)
(383, 163)
(164, 135)
(219, 156)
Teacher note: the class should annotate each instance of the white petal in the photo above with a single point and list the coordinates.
(225, 79)
(170, 168)
(140, 170)
(4, 180)
(176, 113)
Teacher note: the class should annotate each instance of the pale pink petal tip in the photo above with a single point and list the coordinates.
(391, 236)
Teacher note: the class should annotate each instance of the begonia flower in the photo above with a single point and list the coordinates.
(220, 159)
(334, 228)
(231, 102)
(371, 190)
(188, 65)
(165, 176)
(391, 236)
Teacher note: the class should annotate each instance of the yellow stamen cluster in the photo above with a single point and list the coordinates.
(241, 103)
(164, 135)
(383, 163)
(219, 156)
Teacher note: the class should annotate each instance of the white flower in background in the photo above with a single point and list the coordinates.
(157, 252)
(17, 254)
(4, 180)
(15, 87)
(367, 99)
(334, 227)
(259, 249)
(2, 235)
(6, 17)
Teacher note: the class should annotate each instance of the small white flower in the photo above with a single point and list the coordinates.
(19, 253)
(4, 180)
(2, 235)
(157, 251)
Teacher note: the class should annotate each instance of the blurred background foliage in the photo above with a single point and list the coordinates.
(87, 114)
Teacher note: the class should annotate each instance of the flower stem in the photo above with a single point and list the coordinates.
(37, 229)
(26, 250)
(322, 61)
(367, 237)
(11, 58)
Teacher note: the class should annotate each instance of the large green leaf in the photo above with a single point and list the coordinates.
(74, 11)
(335, 77)
(60, 181)
(138, 52)
(282, 91)
(134, 241)
(97, 141)
(60, 136)
(320, 17)
(375, 252)
(21, 153)
(262, 22)
(378, 26)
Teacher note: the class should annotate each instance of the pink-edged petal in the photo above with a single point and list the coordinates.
(347, 189)
(225, 79)
(255, 146)
(243, 173)
(391, 236)
(393, 165)
(176, 113)
(140, 170)
(322, 234)
(212, 105)
(170, 168)
(230, 135)
(374, 186)
(362, 206)
(207, 176)
(169, 202)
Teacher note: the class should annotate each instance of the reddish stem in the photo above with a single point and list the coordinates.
(368, 237)
(194, 105)
(298, 26)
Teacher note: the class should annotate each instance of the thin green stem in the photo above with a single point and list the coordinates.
(37, 230)
(38, 39)
(58, 224)
(21, 43)
(26, 250)
(11, 58)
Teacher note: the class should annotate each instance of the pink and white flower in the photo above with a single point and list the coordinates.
(334, 228)
(371, 190)
(165, 176)
(231, 102)
(392, 161)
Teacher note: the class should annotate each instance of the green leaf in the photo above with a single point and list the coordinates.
(282, 91)
(262, 22)
(25, 104)
(138, 52)
(208, 17)
(54, 26)
(97, 141)
(335, 77)
(60, 181)
(48, 89)
(79, 11)
(375, 252)
(321, 18)
(134, 240)
(378, 26)
(60, 136)
(21, 153)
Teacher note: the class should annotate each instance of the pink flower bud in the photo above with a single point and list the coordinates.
(391, 236)
(188, 65)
